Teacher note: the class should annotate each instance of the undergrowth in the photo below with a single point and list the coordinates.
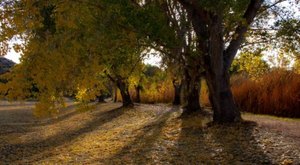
(276, 93)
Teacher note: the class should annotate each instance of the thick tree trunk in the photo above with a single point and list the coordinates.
(177, 91)
(221, 98)
(138, 91)
(192, 93)
(126, 99)
(218, 78)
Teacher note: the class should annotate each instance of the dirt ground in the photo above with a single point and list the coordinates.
(145, 134)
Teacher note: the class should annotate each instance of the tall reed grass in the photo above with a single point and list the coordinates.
(276, 93)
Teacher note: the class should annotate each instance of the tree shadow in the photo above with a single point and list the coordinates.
(22, 121)
(239, 143)
(195, 142)
(191, 146)
(16, 103)
(137, 151)
(218, 144)
(65, 113)
(25, 115)
(12, 153)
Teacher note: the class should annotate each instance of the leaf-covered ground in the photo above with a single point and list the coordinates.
(146, 134)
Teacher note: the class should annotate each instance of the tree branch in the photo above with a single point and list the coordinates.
(109, 77)
(240, 31)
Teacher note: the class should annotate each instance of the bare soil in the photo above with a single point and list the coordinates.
(145, 134)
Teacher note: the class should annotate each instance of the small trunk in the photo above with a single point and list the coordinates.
(126, 99)
(101, 98)
(137, 91)
(115, 94)
(192, 94)
(177, 91)
(193, 103)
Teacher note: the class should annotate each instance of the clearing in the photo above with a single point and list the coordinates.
(145, 134)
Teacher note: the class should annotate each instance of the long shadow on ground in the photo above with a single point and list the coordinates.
(164, 140)
(190, 140)
(219, 144)
(139, 150)
(12, 153)
(22, 121)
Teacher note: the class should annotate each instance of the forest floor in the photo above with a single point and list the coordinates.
(145, 134)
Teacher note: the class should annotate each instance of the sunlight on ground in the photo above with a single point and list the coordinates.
(146, 134)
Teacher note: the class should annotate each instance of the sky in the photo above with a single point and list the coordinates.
(151, 59)
(12, 55)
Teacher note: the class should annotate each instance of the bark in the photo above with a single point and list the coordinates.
(218, 78)
(101, 98)
(192, 93)
(123, 85)
(115, 99)
(138, 92)
(221, 99)
(177, 90)
(126, 99)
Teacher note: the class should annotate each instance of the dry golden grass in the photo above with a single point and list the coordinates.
(276, 93)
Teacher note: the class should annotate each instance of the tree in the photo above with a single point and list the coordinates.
(156, 82)
(250, 63)
(204, 46)
(219, 29)
(79, 44)
(289, 42)
(178, 48)
(121, 72)
(207, 19)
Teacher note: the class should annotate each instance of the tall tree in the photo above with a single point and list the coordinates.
(208, 19)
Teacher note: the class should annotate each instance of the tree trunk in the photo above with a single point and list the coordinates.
(101, 98)
(192, 93)
(138, 91)
(177, 91)
(115, 96)
(218, 78)
(126, 99)
(221, 98)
